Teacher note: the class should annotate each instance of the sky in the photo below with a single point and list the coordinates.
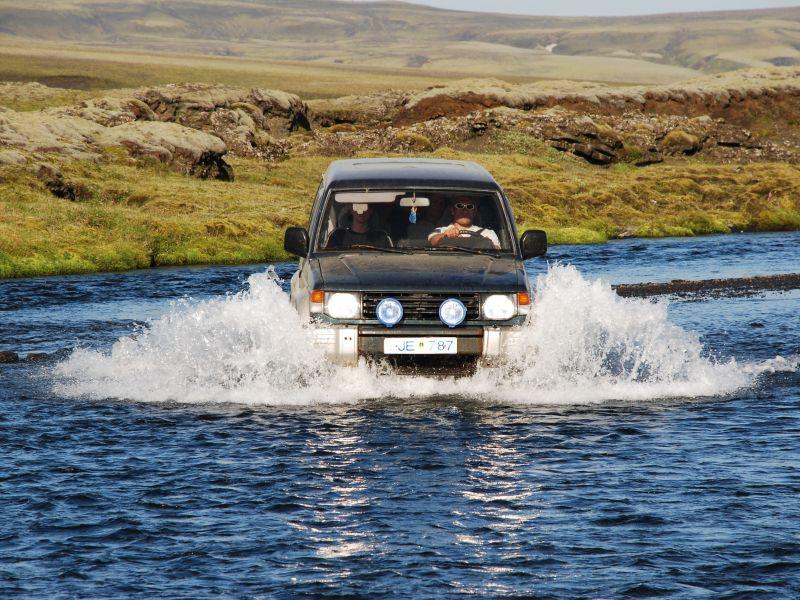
(606, 8)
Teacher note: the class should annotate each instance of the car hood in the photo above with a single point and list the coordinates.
(443, 272)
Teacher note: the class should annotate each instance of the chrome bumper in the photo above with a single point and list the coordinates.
(344, 344)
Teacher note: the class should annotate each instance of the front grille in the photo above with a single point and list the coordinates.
(420, 306)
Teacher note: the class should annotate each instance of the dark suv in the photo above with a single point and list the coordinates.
(415, 261)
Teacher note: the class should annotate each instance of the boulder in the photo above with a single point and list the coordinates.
(7, 357)
(193, 152)
(46, 132)
(110, 111)
(679, 141)
(55, 132)
(249, 121)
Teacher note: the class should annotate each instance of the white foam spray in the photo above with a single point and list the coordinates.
(584, 344)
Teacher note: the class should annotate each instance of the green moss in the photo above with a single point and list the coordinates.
(574, 235)
(657, 230)
(701, 224)
(415, 141)
(679, 140)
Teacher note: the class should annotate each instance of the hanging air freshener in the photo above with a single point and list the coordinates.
(412, 216)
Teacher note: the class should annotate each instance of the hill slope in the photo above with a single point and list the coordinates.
(655, 49)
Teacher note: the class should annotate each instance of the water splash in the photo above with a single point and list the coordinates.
(584, 344)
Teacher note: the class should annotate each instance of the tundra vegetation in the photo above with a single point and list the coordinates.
(107, 164)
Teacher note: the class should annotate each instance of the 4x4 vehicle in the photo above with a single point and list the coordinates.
(383, 275)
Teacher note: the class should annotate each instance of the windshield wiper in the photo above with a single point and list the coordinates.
(493, 253)
(379, 248)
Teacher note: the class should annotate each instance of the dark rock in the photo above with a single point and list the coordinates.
(561, 145)
(9, 357)
(34, 357)
(213, 167)
(756, 324)
(648, 158)
(479, 127)
(712, 288)
(68, 190)
(594, 153)
(61, 188)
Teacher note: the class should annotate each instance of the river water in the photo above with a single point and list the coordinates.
(187, 441)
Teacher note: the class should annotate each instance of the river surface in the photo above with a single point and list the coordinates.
(187, 441)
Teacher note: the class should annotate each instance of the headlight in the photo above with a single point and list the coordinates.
(452, 312)
(499, 307)
(341, 305)
(389, 312)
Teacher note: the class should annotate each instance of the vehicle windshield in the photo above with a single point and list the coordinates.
(414, 220)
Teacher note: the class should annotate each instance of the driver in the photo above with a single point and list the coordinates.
(463, 213)
(359, 232)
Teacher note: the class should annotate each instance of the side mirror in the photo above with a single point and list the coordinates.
(295, 241)
(533, 243)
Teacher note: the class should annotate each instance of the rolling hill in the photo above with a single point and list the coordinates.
(401, 36)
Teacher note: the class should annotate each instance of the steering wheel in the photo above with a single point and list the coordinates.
(469, 233)
(468, 239)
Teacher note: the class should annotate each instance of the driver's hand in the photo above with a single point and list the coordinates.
(453, 231)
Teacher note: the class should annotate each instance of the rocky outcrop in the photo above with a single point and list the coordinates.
(16, 93)
(190, 126)
(50, 133)
(712, 288)
(251, 122)
(367, 110)
(110, 111)
(738, 97)
(712, 115)
(57, 132)
(635, 137)
(193, 152)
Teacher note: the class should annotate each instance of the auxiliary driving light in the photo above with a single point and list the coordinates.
(389, 312)
(452, 312)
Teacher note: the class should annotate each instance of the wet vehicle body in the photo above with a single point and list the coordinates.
(380, 278)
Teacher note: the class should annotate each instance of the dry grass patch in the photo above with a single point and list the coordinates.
(141, 216)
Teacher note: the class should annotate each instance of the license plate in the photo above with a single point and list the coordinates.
(419, 345)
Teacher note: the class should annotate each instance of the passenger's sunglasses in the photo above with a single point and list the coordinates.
(464, 205)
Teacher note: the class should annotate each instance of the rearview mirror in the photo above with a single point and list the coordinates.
(533, 243)
(414, 202)
(295, 241)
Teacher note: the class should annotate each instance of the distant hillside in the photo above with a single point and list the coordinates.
(389, 35)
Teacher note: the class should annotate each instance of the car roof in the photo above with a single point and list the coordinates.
(407, 172)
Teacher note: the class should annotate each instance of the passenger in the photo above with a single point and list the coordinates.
(463, 214)
(359, 232)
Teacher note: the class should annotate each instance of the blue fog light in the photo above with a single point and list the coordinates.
(389, 312)
(452, 312)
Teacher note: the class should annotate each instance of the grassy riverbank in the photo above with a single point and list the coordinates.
(136, 216)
